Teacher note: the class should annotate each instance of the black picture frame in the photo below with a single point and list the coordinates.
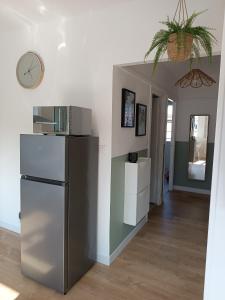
(128, 109)
(141, 119)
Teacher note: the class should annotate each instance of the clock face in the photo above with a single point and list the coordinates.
(30, 70)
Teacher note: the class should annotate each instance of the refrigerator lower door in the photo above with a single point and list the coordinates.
(43, 236)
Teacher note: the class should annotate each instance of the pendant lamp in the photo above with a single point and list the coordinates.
(195, 79)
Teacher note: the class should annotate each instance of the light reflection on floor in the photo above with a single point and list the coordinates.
(6, 293)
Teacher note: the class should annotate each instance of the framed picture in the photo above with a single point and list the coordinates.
(141, 119)
(128, 108)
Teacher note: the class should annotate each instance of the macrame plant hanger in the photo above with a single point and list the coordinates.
(181, 13)
(180, 45)
(195, 78)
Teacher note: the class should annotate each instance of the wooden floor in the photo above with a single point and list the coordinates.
(165, 261)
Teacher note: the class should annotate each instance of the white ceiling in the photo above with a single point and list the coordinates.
(15, 12)
(42, 10)
(174, 71)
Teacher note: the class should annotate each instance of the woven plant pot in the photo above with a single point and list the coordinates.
(179, 51)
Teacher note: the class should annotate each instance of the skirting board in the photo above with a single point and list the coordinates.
(108, 260)
(126, 241)
(191, 190)
(104, 260)
(10, 227)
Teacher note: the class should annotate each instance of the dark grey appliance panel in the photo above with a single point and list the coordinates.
(82, 213)
(43, 233)
(92, 197)
(43, 156)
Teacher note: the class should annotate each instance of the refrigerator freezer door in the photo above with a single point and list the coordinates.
(43, 233)
(43, 156)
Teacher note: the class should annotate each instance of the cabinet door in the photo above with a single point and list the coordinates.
(142, 204)
(43, 233)
(143, 174)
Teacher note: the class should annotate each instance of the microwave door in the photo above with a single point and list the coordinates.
(44, 119)
(50, 119)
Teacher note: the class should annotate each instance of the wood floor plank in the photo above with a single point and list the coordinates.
(165, 261)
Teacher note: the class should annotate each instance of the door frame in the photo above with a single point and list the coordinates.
(215, 262)
(172, 147)
(161, 133)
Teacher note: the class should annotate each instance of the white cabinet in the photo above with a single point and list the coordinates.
(137, 190)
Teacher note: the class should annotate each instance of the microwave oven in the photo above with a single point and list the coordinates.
(62, 120)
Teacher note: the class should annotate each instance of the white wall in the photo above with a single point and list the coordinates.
(188, 106)
(66, 81)
(79, 74)
(124, 139)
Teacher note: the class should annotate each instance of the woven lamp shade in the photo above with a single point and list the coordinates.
(195, 79)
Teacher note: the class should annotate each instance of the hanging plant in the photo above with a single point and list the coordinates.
(181, 40)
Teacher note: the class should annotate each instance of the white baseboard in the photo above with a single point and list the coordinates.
(108, 260)
(191, 190)
(10, 227)
(126, 241)
(102, 259)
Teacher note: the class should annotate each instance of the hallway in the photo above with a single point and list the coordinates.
(165, 261)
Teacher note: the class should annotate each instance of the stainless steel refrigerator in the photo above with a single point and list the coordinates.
(58, 208)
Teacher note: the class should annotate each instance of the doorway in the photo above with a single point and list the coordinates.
(169, 149)
(170, 164)
(167, 101)
(162, 147)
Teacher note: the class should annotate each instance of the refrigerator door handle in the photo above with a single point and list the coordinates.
(43, 180)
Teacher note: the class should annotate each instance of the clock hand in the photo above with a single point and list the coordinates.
(31, 63)
(34, 68)
(30, 75)
(29, 70)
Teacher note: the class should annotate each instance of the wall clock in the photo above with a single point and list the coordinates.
(30, 70)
